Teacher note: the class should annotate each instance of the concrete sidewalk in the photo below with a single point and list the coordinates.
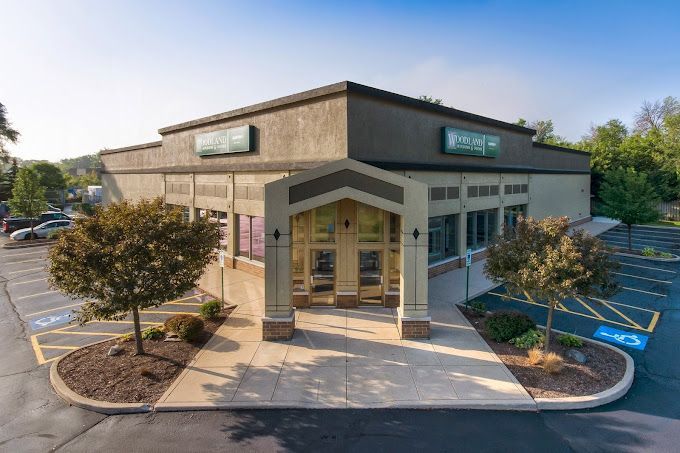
(342, 358)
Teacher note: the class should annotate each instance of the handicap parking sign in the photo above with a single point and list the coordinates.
(620, 337)
(52, 320)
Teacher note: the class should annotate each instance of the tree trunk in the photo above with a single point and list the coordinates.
(138, 332)
(630, 240)
(31, 223)
(548, 326)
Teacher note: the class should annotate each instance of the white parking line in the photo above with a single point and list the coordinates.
(638, 239)
(642, 278)
(22, 254)
(643, 291)
(35, 295)
(647, 267)
(29, 281)
(27, 261)
(28, 270)
(636, 243)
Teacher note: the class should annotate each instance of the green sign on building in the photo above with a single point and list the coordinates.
(460, 141)
(235, 140)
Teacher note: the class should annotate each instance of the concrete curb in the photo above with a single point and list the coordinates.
(10, 246)
(508, 405)
(650, 258)
(102, 407)
(598, 399)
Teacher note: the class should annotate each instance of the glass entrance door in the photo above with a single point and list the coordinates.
(322, 280)
(370, 277)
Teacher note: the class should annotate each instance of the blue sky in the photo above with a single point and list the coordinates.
(78, 76)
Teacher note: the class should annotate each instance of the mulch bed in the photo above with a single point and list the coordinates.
(125, 378)
(602, 370)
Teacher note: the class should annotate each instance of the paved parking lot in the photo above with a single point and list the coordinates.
(646, 295)
(48, 315)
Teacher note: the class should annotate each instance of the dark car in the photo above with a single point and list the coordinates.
(11, 224)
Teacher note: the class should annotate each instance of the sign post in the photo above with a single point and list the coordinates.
(221, 260)
(468, 262)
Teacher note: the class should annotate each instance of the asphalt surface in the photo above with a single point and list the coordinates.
(34, 419)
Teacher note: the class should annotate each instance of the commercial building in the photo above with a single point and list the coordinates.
(348, 196)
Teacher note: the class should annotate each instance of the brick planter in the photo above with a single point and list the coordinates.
(275, 329)
(414, 327)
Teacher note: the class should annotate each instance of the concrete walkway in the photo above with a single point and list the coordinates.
(350, 357)
(343, 358)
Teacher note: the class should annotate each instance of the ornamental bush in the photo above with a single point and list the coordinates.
(570, 341)
(532, 338)
(211, 309)
(152, 333)
(187, 327)
(504, 325)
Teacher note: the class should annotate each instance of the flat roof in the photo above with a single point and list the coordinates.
(350, 87)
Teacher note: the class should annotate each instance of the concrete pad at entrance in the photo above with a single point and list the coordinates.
(342, 358)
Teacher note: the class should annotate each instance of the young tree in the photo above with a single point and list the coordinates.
(627, 196)
(537, 258)
(7, 134)
(129, 257)
(28, 196)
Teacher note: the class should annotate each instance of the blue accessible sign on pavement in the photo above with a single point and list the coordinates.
(51, 320)
(616, 336)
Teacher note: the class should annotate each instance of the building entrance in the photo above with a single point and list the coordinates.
(370, 277)
(322, 278)
(345, 254)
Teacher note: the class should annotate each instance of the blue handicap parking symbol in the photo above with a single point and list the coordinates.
(616, 336)
(51, 320)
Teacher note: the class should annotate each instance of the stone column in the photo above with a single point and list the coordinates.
(279, 320)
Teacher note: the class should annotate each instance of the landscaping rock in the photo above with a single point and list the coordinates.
(171, 339)
(170, 335)
(577, 355)
(115, 350)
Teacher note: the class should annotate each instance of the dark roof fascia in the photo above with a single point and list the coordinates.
(470, 168)
(274, 103)
(560, 148)
(349, 87)
(131, 148)
(424, 105)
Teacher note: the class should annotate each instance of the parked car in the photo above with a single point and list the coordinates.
(12, 224)
(42, 230)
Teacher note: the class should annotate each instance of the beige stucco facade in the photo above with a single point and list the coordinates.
(355, 148)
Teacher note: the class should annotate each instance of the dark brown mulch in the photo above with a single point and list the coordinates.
(602, 370)
(125, 378)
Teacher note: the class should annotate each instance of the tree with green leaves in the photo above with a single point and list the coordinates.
(628, 196)
(28, 196)
(430, 99)
(129, 257)
(7, 134)
(538, 259)
(545, 132)
(51, 176)
(8, 178)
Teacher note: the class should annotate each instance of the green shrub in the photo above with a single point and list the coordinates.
(665, 255)
(54, 234)
(570, 341)
(187, 327)
(532, 338)
(477, 306)
(505, 325)
(152, 333)
(648, 251)
(211, 309)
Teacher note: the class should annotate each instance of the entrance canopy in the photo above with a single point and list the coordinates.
(340, 182)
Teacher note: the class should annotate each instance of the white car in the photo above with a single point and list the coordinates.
(42, 230)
